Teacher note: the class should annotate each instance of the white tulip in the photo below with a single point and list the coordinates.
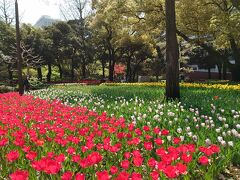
(224, 134)
(229, 132)
(203, 124)
(182, 138)
(190, 134)
(230, 143)
(208, 142)
(179, 130)
(169, 138)
(195, 138)
(219, 138)
(223, 143)
(234, 132)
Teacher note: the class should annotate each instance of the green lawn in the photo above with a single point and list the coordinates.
(191, 97)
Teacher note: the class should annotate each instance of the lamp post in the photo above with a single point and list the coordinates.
(19, 56)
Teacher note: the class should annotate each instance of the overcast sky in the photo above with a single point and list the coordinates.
(32, 10)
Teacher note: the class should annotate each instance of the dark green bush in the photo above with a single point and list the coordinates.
(5, 89)
(35, 83)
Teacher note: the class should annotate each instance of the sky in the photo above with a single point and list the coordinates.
(32, 10)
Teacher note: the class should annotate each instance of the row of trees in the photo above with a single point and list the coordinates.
(76, 46)
(133, 33)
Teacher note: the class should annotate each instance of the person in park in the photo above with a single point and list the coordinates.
(26, 83)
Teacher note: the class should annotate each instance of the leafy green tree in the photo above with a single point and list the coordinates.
(134, 50)
(7, 40)
(109, 24)
(60, 35)
(214, 26)
(77, 13)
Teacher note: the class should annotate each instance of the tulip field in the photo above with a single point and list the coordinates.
(119, 132)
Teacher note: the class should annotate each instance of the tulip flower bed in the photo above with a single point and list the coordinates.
(50, 140)
(183, 84)
(117, 133)
(210, 124)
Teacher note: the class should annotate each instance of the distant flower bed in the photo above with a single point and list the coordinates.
(70, 84)
(187, 85)
(87, 82)
(49, 140)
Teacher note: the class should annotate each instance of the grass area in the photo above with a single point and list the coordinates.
(200, 98)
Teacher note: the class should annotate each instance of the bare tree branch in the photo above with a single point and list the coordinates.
(7, 11)
(28, 55)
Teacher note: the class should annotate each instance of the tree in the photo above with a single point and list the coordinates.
(236, 4)
(6, 11)
(76, 12)
(214, 26)
(134, 50)
(29, 57)
(19, 57)
(157, 65)
(7, 40)
(32, 48)
(48, 54)
(61, 36)
(100, 53)
(172, 53)
(109, 26)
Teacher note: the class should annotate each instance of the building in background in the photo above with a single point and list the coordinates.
(45, 21)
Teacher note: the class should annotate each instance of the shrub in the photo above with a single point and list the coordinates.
(35, 83)
(5, 89)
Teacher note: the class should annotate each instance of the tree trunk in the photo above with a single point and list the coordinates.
(133, 76)
(225, 69)
(111, 66)
(103, 69)
(136, 78)
(60, 71)
(10, 73)
(128, 74)
(72, 69)
(172, 53)
(39, 73)
(219, 71)
(209, 73)
(111, 73)
(109, 69)
(236, 54)
(84, 68)
(19, 56)
(49, 74)
(235, 73)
